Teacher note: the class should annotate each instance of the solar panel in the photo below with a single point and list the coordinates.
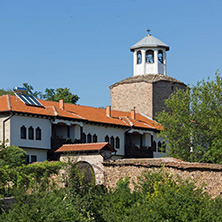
(28, 99)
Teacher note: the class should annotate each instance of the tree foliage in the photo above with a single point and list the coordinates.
(53, 94)
(12, 156)
(192, 122)
(5, 92)
(157, 197)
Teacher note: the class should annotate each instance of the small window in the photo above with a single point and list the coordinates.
(160, 56)
(139, 57)
(164, 147)
(172, 88)
(149, 56)
(154, 146)
(89, 138)
(84, 138)
(159, 146)
(112, 141)
(107, 139)
(23, 132)
(38, 133)
(27, 159)
(117, 142)
(94, 138)
(33, 158)
(31, 133)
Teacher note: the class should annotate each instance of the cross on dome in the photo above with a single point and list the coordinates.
(148, 30)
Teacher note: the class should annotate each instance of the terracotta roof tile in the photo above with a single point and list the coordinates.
(77, 112)
(84, 147)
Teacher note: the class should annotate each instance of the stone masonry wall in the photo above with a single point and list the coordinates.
(125, 97)
(200, 173)
(161, 91)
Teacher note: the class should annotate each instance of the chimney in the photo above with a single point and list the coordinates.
(61, 104)
(133, 114)
(108, 111)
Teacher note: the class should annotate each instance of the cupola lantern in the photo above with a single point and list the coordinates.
(149, 56)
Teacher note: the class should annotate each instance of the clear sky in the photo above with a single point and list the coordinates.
(84, 45)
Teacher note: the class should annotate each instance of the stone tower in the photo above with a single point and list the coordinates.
(150, 86)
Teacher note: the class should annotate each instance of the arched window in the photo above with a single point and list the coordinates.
(159, 146)
(154, 146)
(139, 57)
(149, 56)
(94, 138)
(164, 147)
(117, 142)
(112, 141)
(31, 133)
(23, 132)
(107, 139)
(38, 133)
(160, 56)
(89, 138)
(84, 138)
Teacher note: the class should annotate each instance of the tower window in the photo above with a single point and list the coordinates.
(139, 57)
(38, 133)
(89, 138)
(23, 132)
(94, 138)
(160, 56)
(149, 56)
(31, 133)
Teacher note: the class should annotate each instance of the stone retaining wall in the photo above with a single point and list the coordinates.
(200, 173)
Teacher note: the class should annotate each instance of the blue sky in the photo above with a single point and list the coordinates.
(84, 45)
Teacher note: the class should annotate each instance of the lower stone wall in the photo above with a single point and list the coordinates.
(200, 173)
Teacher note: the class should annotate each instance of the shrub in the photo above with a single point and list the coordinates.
(12, 156)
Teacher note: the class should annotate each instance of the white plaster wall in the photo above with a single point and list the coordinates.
(77, 132)
(7, 130)
(102, 131)
(149, 68)
(44, 124)
(41, 154)
(157, 139)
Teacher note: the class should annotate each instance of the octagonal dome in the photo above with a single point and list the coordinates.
(149, 41)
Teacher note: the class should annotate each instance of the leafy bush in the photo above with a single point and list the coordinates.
(12, 156)
(157, 197)
(32, 176)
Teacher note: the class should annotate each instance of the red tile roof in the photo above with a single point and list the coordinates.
(85, 147)
(77, 112)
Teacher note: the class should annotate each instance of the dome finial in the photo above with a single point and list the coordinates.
(148, 30)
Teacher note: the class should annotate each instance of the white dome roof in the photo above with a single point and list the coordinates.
(149, 42)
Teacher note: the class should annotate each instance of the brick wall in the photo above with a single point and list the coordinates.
(200, 173)
(147, 97)
(125, 97)
(161, 91)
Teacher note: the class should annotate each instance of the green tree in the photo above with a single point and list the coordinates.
(66, 95)
(12, 156)
(5, 92)
(192, 122)
(53, 94)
